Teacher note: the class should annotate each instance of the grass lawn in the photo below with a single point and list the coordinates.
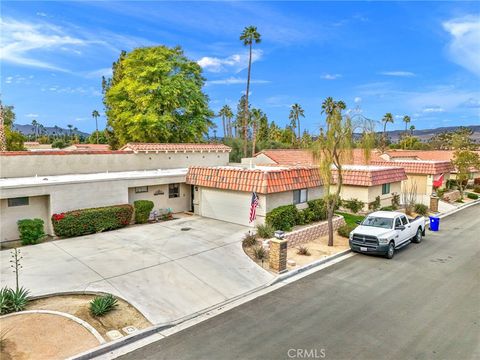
(351, 219)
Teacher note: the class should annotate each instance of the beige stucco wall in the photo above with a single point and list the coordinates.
(367, 194)
(75, 163)
(38, 207)
(162, 201)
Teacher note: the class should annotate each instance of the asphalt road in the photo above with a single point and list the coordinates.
(423, 304)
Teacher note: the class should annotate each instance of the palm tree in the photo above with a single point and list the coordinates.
(412, 129)
(248, 36)
(295, 113)
(406, 120)
(256, 117)
(35, 125)
(70, 127)
(95, 115)
(387, 118)
(226, 114)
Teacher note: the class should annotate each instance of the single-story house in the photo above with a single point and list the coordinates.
(366, 182)
(86, 147)
(41, 183)
(225, 192)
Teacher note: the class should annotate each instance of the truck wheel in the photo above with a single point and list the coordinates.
(418, 237)
(390, 251)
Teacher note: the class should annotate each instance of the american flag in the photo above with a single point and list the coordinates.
(253, 207)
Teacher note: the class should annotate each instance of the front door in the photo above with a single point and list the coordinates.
(192, 197)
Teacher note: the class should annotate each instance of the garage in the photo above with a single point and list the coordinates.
(230, 206)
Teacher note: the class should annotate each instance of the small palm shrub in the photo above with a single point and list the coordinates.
(13, 300)
(142, 210)
(260, 253)
(354, 205)
(346, 229)
(421, 209)
(101, 305)
(472, 196)
(265, 231)
(303, 250)
(249, 239)
(31, 231)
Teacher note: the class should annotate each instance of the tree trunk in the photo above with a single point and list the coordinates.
(245, 120)
(254, 137)
(330, 209)
(299, 133)
(224, 128)
(96, 126)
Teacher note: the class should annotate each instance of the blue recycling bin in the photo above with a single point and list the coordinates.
(434, 223)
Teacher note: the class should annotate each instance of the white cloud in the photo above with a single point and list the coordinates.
(107, 72)
(331, 76)
(42, 14)
(235, 62)
(20, 40)
(235, 80)
(357, 100)
(398, 73)
(433, 109)
(464, 47)
(8, 79)
(32, 115)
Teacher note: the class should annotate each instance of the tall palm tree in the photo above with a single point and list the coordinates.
(3, 137)
(226, 114)
(412, 129)
(70, 127)
(35, 126)
(387, 118)
(406, 120)
(248, 36)
(95, 115)
(295, 113)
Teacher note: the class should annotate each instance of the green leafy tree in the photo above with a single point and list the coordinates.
(464, 161)
(155, 95)
(242, 112)
(256, 119)
(13, 139)
(249, 36)
(296, 112)
(95, 115)
(100, 137)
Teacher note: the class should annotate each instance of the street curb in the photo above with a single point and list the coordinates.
(155, 329)
(459, 209)
(79, 321)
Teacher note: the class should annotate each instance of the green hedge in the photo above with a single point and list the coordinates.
(283, 217)
(318, 209)
(142, 210)
(31, 230)
(346, 229)
(472, 196)
(90, 221)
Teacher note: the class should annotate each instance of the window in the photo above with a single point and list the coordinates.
(173, 190)
(19, 201)
(404, 220)
(398, 222)
(299, 196)
(141, 189)
(385, 189)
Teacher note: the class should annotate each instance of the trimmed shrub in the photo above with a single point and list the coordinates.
(90, 221)
(265, 231)
(283, 217)
(101, 305)
(142, 210)
(317, 209)
(31, 231)
(354, 205)
(472, 196)
(346, 229)
(421, 209)
(388, 208)
(249, 239)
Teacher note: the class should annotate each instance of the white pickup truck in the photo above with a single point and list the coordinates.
(382, 232)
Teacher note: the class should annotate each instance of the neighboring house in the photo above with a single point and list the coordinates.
(366, 182)
(225, 192)
(436, 155)
(421, 175)
(39, 184)
(87, 147)
(35, 146)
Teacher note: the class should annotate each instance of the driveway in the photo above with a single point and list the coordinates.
(167, 270)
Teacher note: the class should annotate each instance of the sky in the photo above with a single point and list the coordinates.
(409, 58)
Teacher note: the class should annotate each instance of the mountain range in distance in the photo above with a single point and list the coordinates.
(422, 134)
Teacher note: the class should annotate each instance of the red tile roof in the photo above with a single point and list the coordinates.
(358, 175)
(427, 167)
(289, 156)
(136, 147)
(61, 152)
(262, 181)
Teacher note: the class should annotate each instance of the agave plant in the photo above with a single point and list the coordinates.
(101, 305)
(13, 300)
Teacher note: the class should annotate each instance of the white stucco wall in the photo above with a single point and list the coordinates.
(163, 201)
(78, 163)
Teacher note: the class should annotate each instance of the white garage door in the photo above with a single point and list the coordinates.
(231, 206)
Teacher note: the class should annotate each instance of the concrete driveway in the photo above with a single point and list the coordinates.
(167, 270)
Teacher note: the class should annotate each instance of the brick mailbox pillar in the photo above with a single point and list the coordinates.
(278, 255)
(434, 203)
